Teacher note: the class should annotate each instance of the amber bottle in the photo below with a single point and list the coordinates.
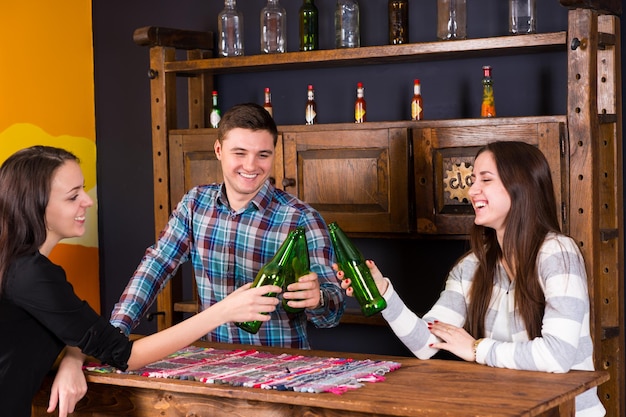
(398, 12)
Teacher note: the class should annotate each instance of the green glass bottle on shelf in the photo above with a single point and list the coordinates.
(351, 262)
(299, 265)
(272, 273)
(309, 27)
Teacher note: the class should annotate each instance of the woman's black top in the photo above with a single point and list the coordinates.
(39, 315)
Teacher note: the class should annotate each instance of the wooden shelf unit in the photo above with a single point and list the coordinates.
(591, 149)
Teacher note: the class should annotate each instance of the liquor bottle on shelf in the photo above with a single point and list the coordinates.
(272, 273)
(522, 16)
(417, 103)
(488, 106)
(360, 107)
(216, 114)
(310, 112)
(398, 11)
(267, 105)
(230, 28)
(273, 28)
(299, 265)
(347, 33)
(309, 26)
(351, 262)
(451, 19)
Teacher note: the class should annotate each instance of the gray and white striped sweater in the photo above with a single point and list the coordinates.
(565, 343)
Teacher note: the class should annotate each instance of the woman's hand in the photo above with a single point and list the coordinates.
(69, 384)
(345, 282)
(248, 304)
(456, 340)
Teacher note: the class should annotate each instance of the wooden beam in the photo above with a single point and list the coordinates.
(173, 38)
(605, 6)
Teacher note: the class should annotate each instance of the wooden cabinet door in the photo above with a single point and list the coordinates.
(354, 176)
(444, 155)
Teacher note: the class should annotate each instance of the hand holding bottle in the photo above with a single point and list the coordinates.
(346, 284)
(305, 293)
(247, 304)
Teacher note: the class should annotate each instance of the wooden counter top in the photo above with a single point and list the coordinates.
(418, 388)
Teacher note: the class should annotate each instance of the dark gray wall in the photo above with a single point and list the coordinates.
(524, 85)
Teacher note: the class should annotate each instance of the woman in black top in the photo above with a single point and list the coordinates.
(42, 201)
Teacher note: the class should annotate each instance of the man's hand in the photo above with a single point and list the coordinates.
(305, 293)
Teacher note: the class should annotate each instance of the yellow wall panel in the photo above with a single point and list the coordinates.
(47, 97)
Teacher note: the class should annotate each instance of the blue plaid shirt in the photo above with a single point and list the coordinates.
(227, 249)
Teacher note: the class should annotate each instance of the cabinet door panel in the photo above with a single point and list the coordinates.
(443, 164)
(355, 177)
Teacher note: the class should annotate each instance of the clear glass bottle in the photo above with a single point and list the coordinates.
(347, 33)
(216, 114)
(230, 29)
(417, 103)
(309, 26)
(488, 106)
(351, 262)
(310, 112)
(273, 28)
(267, 104)
(451, 19)
(522, 16)
(398, 11)
(299, 265)
(272, 273)
(360, 107)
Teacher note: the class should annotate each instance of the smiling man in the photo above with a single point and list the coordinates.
(230, 230)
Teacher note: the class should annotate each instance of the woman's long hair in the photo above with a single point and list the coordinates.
(525, 174)
(25, 182)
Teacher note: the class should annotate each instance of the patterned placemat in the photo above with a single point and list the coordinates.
(257, 369)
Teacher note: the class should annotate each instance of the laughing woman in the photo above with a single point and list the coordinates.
(519, 298)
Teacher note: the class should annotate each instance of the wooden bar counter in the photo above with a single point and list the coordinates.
(419, 388)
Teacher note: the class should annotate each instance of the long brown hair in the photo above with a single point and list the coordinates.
(525, 174)
(25, 182)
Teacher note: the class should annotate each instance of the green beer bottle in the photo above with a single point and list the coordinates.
(298, 266)
(272, 273)
(309, 27)
(351, 262)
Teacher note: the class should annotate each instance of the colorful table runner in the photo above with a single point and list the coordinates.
(257, 369)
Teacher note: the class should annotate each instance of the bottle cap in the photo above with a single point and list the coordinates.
(214, 93)
(359, 85)
(417, 81)
(310, 87)
(267, 89)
